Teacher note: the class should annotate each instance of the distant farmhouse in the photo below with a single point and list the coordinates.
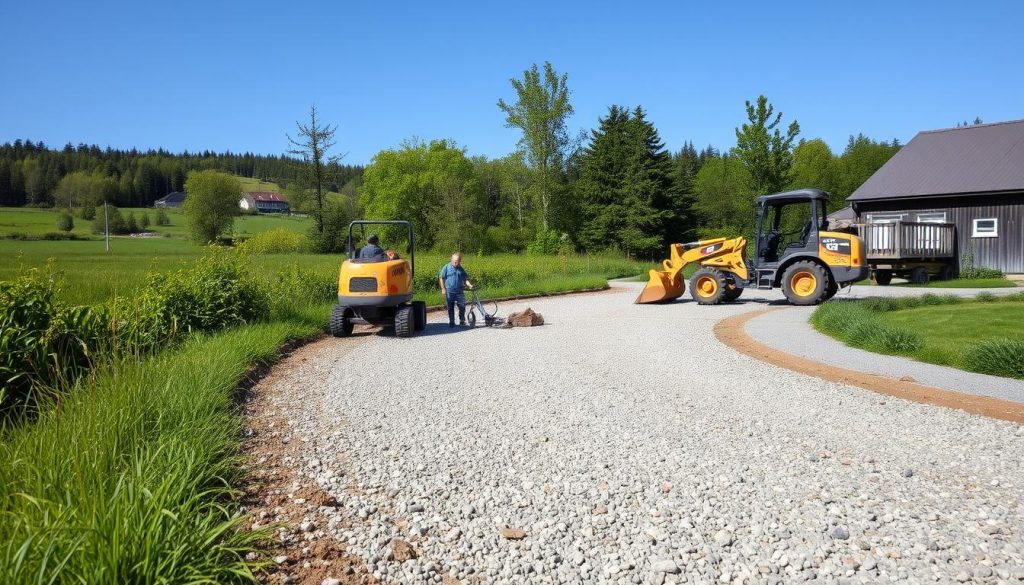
(971, 177)
(264, 202)
(175, 199)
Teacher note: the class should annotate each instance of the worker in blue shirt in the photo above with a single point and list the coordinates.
(454, 279)
(372, 249)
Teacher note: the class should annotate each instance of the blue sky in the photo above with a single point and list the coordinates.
(207, 75)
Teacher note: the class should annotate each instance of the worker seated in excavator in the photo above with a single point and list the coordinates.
(372, 252)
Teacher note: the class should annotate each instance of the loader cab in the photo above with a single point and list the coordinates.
(787, 224)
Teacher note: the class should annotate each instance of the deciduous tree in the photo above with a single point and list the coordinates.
(763, 149)
(211, 204)
(540, 111)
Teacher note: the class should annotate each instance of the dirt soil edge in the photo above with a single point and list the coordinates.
(732, 332)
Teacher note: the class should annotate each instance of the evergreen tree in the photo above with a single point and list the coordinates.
(130, 225)
(161, 217)
(144, 222)
(628, 197)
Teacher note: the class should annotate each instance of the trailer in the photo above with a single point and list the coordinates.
(916, 251)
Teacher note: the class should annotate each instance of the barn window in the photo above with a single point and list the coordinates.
(932, 217)
(985, 228)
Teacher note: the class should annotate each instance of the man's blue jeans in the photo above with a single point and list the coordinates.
(452, 299)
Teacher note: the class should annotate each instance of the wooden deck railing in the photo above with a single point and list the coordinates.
(908, 239)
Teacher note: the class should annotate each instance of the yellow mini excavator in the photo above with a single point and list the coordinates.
(378, 290)
(793, 251)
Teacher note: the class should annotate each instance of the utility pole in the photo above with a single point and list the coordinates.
(106, 226)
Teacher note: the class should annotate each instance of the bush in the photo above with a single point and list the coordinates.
(276, 241)
(88, 212)
(144, 222)
(857, 323)
(1002, 357)
(548, 242)
(44, 343)
(65, 222)
(161, 217)
(216, 292)
(968, 271)
(114, 220)
(985, 297)
(130, 226)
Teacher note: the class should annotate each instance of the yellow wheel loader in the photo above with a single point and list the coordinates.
(793, 251)
(377, 290)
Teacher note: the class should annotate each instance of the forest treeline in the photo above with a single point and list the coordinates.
(614, 188)
(33, 174)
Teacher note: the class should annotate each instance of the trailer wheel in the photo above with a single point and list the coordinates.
(883, 277)
(919, 275)
(804, 283)
(948, 272)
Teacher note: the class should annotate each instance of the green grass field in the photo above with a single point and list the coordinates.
(91, 275)
(36, 222)
(980, 335)
(946, 330)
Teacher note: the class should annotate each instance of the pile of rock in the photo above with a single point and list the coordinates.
(526, 318)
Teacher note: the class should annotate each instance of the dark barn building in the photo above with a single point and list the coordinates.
(972, 177)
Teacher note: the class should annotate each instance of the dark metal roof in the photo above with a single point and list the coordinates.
(798, 195)
(176, 197)
(988, 158)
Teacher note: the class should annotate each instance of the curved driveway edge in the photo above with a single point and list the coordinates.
(787, 329)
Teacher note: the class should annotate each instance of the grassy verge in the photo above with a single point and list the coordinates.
(981, 335)
(130, 480)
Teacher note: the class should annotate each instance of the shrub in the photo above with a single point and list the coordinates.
(144, 222)
(114, 220)
(1000, 357)
(276, 241)
(969, 271)
(985, 297)
(161, 217)
(130, 226)
(65, 222)
(296, 286)
(216, 292)
(547, 242)
(42, 342)
(88, 212)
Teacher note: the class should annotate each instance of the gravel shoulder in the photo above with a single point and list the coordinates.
(625, 444)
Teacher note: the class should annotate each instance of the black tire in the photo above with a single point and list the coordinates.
(732, 293)
(919, 275)
(883, 277)
(832, 289)
(471, 318)
(340, 325)
(805, 283)
(419, 314)
(405, 321)
(708, 286)
(948, 272)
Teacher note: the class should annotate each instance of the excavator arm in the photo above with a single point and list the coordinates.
(667, 283)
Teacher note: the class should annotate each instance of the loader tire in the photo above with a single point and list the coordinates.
(732, 293)
(832, 289)
(340, 325)
(405, 321)
(805, 283)
(708, 286)
(419, 313)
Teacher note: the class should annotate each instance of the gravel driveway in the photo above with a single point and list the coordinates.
(630, 446)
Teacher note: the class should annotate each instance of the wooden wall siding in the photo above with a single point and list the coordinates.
(1005, 252)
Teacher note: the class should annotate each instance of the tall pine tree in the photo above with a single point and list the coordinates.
(628, 195)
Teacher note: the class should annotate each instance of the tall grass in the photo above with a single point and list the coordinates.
(981, 335)
(131, 480)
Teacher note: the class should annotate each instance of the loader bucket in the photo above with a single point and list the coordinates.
(661, 287)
